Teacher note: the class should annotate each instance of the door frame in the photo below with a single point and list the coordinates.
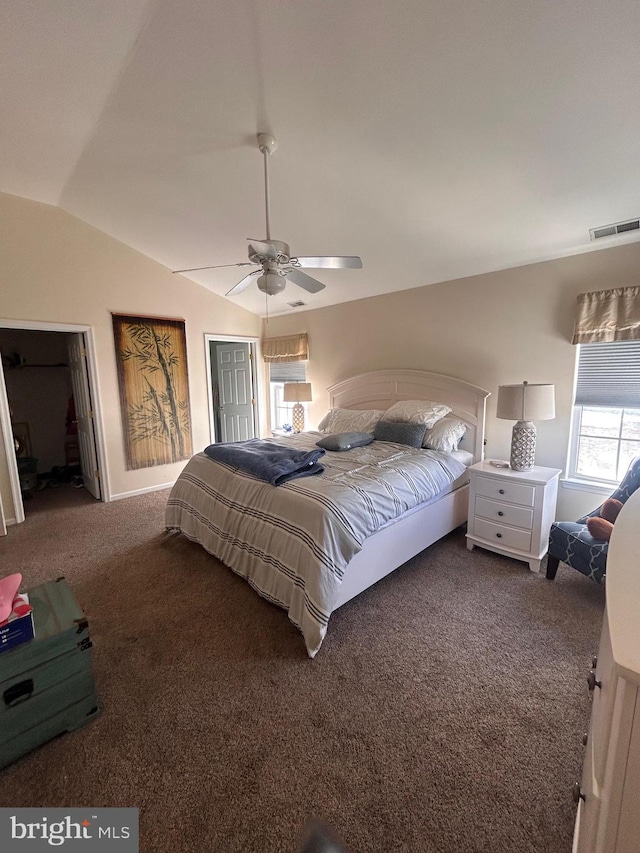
(256, 378)
(5, 417)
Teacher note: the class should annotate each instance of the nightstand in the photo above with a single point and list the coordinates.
(511, 512)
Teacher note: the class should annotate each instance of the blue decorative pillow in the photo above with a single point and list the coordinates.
(401, 433)
(340, 441)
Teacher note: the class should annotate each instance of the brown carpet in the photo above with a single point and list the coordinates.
(444, 711)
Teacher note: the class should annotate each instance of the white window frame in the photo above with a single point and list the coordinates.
(277, 405)
(573, 449)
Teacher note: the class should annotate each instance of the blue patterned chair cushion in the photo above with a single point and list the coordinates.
(571, 543)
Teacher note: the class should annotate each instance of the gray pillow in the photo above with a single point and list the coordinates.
(345, 440)
(401, 433)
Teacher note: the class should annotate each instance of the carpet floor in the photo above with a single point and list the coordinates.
(444, 711)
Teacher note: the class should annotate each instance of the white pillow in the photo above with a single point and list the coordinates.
(349, 420)
(445, 435)
(425, 412)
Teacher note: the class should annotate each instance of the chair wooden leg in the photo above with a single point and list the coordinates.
(552, 567)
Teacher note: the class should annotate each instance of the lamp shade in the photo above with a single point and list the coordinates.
(297, 392)
(526, 402)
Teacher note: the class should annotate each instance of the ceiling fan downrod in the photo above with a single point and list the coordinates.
(267, 144)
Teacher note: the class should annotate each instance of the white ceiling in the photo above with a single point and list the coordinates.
(434, 139)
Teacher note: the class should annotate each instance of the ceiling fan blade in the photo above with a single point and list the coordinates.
(348, 262)
(266, 250)
(243, 283)
(216, 267)
(312, 285)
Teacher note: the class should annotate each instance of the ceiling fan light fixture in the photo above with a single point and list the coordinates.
(272, 282)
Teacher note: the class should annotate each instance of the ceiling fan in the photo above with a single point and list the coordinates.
(273, 258)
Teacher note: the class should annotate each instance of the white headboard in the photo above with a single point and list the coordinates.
(379, 389)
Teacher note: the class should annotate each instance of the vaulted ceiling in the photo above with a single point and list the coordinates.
(434, 139)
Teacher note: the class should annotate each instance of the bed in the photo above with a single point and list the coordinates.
(296, 544)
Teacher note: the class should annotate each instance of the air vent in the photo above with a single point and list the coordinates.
(297, 304)
(616, 228)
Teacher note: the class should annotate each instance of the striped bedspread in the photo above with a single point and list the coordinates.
(292, 543)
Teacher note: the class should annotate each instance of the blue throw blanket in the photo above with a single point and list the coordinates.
(268, 461)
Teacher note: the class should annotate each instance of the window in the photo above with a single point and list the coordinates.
(606, 425)
(279, 373)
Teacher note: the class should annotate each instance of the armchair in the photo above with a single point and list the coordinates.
(570, 541)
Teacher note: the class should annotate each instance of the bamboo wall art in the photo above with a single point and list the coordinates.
(151, 354)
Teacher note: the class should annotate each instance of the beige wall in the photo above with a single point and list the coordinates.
(490, 330)
(56, 268)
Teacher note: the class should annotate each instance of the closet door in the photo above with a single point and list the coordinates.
(84, 413)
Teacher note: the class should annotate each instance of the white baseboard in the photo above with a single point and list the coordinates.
(135, 492)
(10, 521)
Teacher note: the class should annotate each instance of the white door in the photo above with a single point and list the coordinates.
(84, 413)
(235, 390)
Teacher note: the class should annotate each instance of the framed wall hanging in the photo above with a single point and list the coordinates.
(151, 355)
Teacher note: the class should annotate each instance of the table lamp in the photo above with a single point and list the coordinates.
(525, 403)
(298, 393)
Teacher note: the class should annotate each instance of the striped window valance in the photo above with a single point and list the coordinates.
(291, 348)
(608, 315)
(609, 375)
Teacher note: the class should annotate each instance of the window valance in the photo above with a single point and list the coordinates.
(290, 348)
(608, 315)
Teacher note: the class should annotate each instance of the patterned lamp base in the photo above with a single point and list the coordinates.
(297, 416)
(523, 446)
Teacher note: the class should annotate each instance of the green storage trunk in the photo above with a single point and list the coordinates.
(46, 684)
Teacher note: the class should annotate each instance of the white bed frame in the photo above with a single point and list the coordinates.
(392, 546)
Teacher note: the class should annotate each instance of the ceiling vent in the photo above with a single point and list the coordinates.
(297, 304)
(613, 230)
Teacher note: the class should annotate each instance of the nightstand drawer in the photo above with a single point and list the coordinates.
(517, 516)
(500, 535)
(503, 490)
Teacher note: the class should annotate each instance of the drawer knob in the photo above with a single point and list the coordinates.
(577, 793)
(499, 535)
(500, 513)
(592, 681)
(501, 491)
